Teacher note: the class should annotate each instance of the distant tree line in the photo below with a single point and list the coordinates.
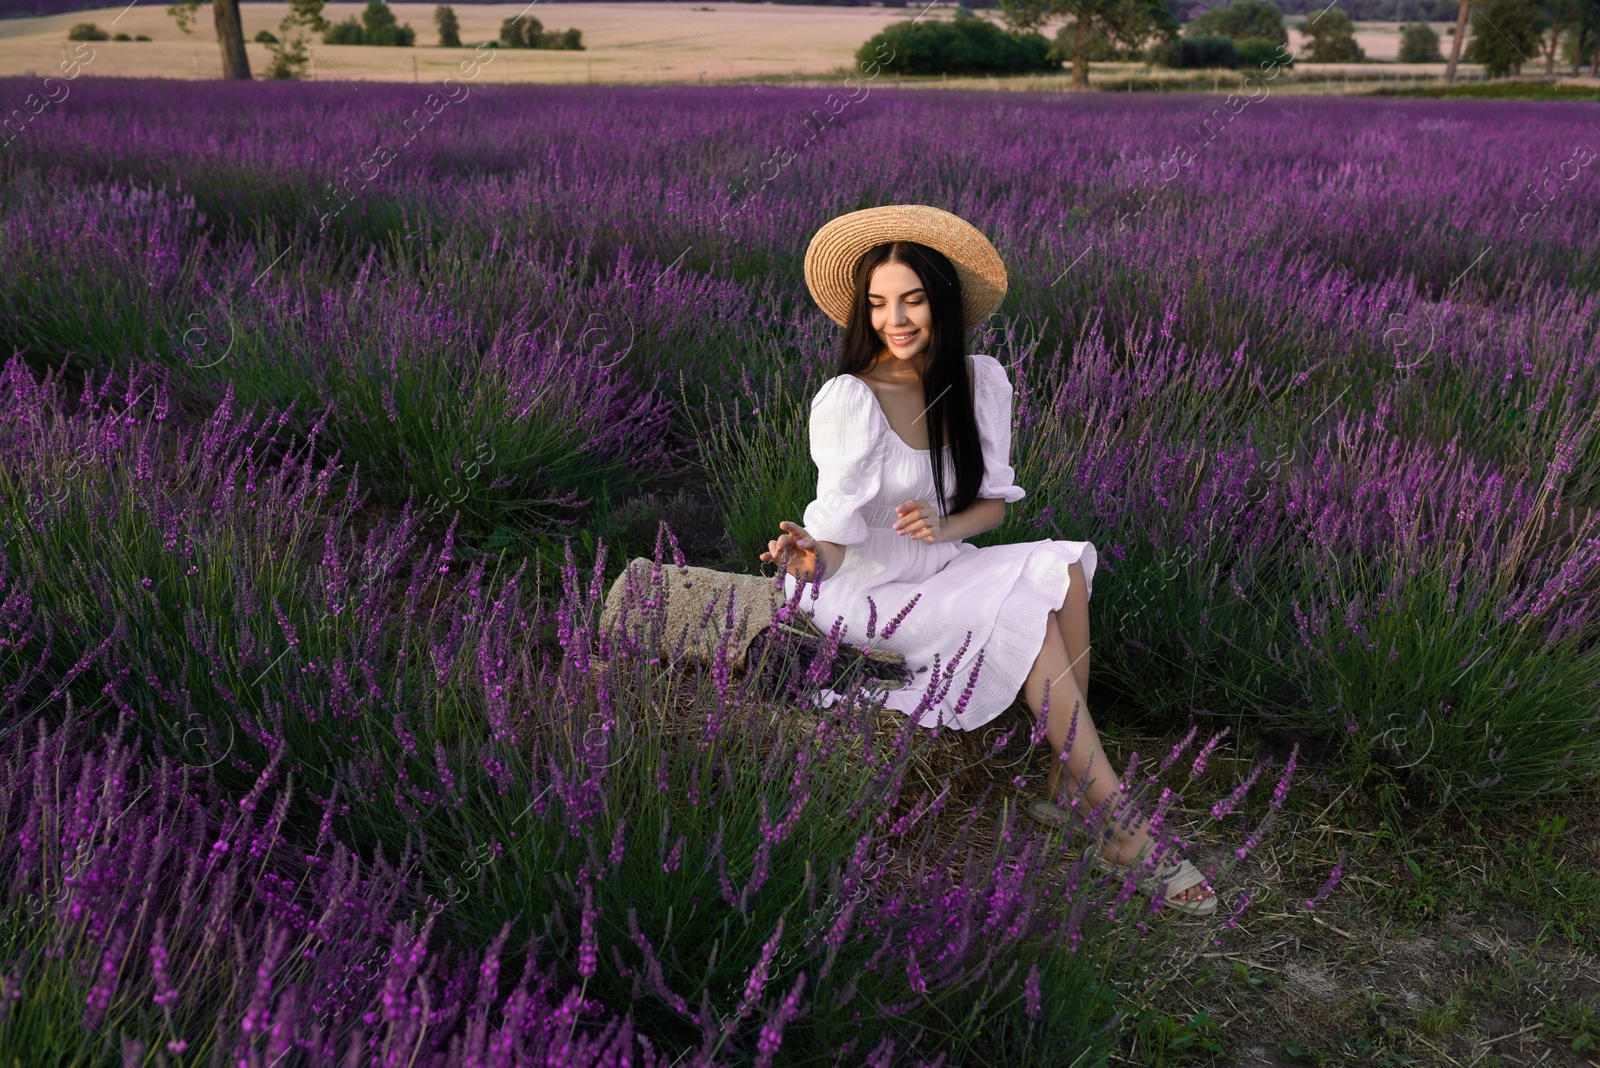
(1505, 35)
(1359, 10)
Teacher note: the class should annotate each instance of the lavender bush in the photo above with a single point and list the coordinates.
(742, 885)
(315, 468)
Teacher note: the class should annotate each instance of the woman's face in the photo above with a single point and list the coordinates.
(901, 316)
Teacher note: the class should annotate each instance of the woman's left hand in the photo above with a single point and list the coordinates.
(920, 520)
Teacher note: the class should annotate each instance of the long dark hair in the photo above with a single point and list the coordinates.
(946, 389)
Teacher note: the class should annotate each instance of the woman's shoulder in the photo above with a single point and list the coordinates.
(845, 393)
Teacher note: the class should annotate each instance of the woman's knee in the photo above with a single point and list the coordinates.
(1079, 586)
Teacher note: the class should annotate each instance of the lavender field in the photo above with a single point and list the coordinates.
(331, 414)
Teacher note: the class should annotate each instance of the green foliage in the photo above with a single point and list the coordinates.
(1021, 16)
(963, 45)
(289, 59)
(1261, 54)
(266, 37)
(1580, 41)
(523, 32)
(1332, 38)
(382, 28)
(87, 31)
(1208, 50)
(1162, 1039)
(377, 26)
(528, 32)
(1241, 19)
(444, 18)
(122, 37)
(1116, 29)
(1505, 34)
(1098, 50)
(348, 32)
(1419, 44)
(141, 37)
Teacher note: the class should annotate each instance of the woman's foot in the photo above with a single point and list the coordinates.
(1126, 848)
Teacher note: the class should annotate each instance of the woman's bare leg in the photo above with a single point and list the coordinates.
(1073, 617)
(1054, 665)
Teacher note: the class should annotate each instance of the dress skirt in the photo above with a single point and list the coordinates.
(977, 615)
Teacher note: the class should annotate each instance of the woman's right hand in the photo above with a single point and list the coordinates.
(800, 546)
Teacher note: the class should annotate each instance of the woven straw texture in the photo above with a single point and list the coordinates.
(834, 252)
(689, 591)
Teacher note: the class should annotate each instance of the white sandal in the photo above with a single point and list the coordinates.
(1178, 875)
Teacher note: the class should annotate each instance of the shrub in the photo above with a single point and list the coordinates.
(1205, 50)
(121, 37)
(1419, 44)
(963, 45)
(377, 26)
(87, 31)
(1261, 54)
(141, 37)
(348, 32)
(529, 32)
(265, 37)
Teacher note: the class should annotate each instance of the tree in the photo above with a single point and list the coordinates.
(1455, 42)
(444, 17)
(382, 28)
(1332, 38)
(1567, 19)
(521, 32)
(1125, 24)
(1064, 47)
(230, 32)
(1240, 20)
(962, 45)
(1582, 44)
(1505, 35)
(1419, 44)
(1024, 16)
(289, 51)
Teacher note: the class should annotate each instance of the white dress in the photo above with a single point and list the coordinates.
(994, 599)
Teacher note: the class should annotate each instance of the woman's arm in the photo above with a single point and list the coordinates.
(919, 519)
(830, 554)
(983, 516)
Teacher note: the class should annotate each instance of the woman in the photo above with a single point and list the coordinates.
(888, 526)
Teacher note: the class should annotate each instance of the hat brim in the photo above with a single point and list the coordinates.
(837, 248)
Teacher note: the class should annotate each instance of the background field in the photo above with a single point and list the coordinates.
(645, 42)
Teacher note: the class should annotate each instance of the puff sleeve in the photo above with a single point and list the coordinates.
(994, 396)
(844, 446)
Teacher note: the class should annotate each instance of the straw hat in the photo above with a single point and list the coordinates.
(838, 247)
